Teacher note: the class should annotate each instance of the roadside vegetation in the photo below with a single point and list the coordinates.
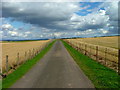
(101, 76)
(17, 74)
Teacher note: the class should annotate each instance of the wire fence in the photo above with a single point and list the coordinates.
(21, 58)
(105, 55)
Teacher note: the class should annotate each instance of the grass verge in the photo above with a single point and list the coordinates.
(13, 77)
(101, 76)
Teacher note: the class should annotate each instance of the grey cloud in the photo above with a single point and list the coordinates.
(41, 14)
(59, 19)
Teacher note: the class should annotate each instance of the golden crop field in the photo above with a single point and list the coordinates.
(25, 49)
(102, 41)
(106, 48)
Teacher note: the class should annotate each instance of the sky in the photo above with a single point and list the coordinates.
(40, 20)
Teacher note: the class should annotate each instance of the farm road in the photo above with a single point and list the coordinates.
(56, 69)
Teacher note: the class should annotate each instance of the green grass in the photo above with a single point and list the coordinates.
(101, 76)
(0, 84)
(17, 74)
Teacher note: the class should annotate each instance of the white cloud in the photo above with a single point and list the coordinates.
(1, 32)
(6, 26)
(93, 20)
(104, 31)
(102, 12)
(13, 33)
(59, 19)
(111, 10)
(18, 34)
(58, 34)
(28, 32)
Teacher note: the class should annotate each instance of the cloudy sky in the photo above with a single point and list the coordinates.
(39, 20)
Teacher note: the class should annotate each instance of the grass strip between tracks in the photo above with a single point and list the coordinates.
(17, 74)
(101, 76)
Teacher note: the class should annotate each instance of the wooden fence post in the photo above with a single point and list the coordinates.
(37, 50)
(17, 59)
(29, 54)
(80, 47)
(90, 51)
(85, 49)
(105, 56)
(7, 67)
(77, 46)
(33, 53)
(119, 61)
(72, 44)
(25, 56)
(96, 52)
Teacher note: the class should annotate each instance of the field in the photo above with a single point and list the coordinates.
(18, 52)
(102, 41)
(102, 49)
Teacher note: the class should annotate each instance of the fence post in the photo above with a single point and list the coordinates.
(96, 52)
(37, 50)
(119, 61)
(29, 54)
(33, 52)
(85, 49)
(68, 42)
(80, 47)
(7, 67)
(17, 59)
(25, 56)
(90, 51)
(105, 56)
(77, 46)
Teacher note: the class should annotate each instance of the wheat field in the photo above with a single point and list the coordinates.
(107, 48)
(102, 41)
(25, 49)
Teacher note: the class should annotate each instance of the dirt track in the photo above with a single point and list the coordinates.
(56, 69)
